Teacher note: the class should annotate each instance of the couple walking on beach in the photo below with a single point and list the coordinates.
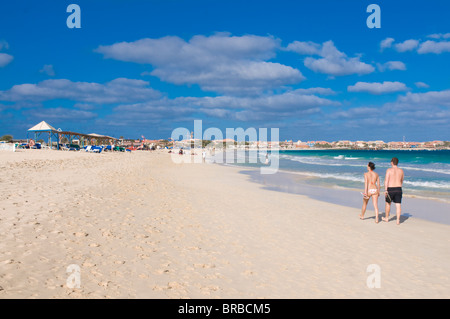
(393, 189)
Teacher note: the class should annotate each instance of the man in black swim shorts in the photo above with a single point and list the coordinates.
(393, 189)
(395, 193)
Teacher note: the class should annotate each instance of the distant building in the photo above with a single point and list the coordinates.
(344, 143)
(396, 144)
(300, 144)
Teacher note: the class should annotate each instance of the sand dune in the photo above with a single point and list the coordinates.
(139, 226)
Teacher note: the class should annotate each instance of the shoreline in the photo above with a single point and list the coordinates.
(333, 180)
(430, 209)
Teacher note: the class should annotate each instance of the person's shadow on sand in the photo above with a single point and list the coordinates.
(393, 217)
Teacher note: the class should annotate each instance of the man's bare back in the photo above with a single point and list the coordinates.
(394, 177)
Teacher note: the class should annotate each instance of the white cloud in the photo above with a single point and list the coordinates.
(439, 36)
(306, 48)
(84, 106)
(163, 112)
(262, 108)
(429, 111)
(386, 43)
(60, 113)
(423, 100)
(437, 46)
(332, 62)
(120, 90)
(421, 85)
(317, 90)
(219, 63)
(377, 88)
(48, 69)
(434, 47)
(218, 113)
(407, 45)
(391, 66)
(5, 59)
(291, 100)
(354, 113)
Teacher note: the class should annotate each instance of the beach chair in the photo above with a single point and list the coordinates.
(74, 147)
(88, 148)
(97, 149)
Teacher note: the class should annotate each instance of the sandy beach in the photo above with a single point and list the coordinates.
(140, 226)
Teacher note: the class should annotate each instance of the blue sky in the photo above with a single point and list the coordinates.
(312, 69)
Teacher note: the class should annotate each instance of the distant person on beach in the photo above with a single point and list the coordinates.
(393, 189)
(371, 189)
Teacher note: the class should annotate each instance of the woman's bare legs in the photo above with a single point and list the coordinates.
(375, 205)
(364, 206)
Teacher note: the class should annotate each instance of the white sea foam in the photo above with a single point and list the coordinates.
(335, 162)
(344, 177)
(353, 178)
(439, 185)
(319, 161)
(433, 170)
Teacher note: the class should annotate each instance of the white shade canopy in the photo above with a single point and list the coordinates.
(43, 126)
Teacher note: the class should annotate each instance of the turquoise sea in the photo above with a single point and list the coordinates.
(427, 173)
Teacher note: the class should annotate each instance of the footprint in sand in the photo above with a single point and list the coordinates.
(96, 273)
(104, 284)
(175, 285)
(10, 261)
(206, 266)
(87, 264)
(140, 236)
(248, 273)
(50, 284)
(106, 233)
(80, 234)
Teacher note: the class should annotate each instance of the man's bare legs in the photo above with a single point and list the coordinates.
(398, 210)
(363, 210)
(388, 210)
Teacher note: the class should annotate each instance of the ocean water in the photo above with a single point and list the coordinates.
(427, 173)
